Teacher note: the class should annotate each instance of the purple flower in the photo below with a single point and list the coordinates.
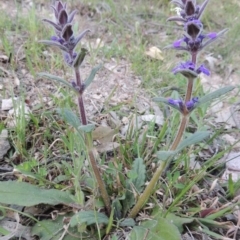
(180, 105)
(184, 66)
(198, 42)
(203, 69)
(188, 69)
(57, 39)
(190, 104)
(177, 103)
(68, 58)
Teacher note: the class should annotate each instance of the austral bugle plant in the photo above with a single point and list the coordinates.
(66, 41)
(193, 41)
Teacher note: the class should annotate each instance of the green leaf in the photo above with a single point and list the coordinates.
(114, 238)
(129, 200)
(136, 184)
(116, 205)
(80, 57)
(3, 231)
(54, 229)
(88, 217)
(90, 78)
(70, 117)
(178, 221)
(140, 169)
(25, 194)
(87, 128)
(164, 100)
(47, 229)
(55, 78)
(160, 229)
(127, 222)
(193, 139)
(164, 155)
(216, 94)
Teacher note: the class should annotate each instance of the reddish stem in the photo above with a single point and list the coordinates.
(80, 98)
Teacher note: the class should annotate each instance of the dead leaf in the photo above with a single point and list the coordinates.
(233, 161)
(16, 229)
(96, 44)
(4, 58)
(155, 53)
(15, 113)
(7, 104)
(4, 144)
(232, 141)
(232, 166)
(107, 147)
(153, 118)
(104, 134)
(206, 212)
(212, 61)
(225, 116)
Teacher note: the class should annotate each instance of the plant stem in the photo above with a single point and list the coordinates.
(148, 190)
(92, 157)
(164, 165)
(180, 133)
(189, 90)
(80, 98)
(89, 145)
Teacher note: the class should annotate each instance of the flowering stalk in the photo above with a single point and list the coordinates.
(193, 41)
(65, 40)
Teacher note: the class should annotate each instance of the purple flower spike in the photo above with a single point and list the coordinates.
(64, 36)
(190, 10)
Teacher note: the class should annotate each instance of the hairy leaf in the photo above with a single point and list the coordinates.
(88, 217)
(87, 128)
(193, 139)
(213, 95)
(127, 222)
(56, 78)
(117, 208)
(80, 57)
(25, 194)
(140, 169)
(134, 184)
(178, 221)
(70, 117)
(164, 155)
(160, 229)
(90, 78)
(48, 229)
(54, 230)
